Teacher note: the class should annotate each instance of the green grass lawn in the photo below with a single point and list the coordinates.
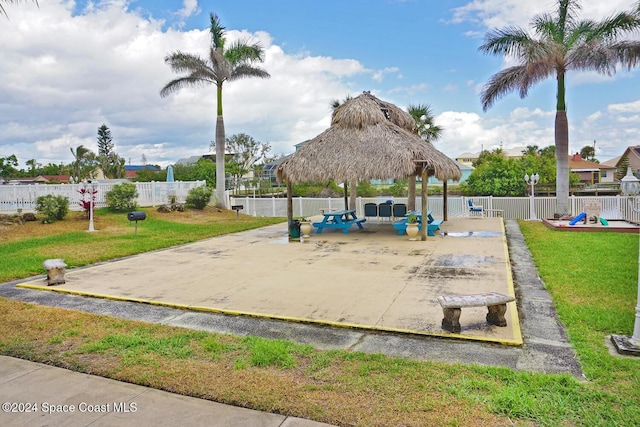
(592, 277)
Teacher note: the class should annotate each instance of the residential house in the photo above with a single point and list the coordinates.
(131, 171)
(630, 157)
(590, 172)
(467, 158)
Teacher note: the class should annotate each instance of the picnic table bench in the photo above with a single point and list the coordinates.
(452, 305)
(342, 220)
(433, 224)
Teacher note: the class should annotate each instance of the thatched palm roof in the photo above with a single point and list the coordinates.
(368, 139)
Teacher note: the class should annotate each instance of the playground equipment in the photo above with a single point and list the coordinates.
(591, 210)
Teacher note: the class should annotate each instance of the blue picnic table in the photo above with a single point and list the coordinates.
(339, 219)
(432, 224)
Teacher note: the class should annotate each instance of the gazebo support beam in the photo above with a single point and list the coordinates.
(425, 222)
(411, 201)
(346, 194)
(289, 204)
(353, 194)
(445, 201)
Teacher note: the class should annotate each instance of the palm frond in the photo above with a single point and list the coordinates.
(628, 53)
(4, 12)
(245, 70)
(217, 31)
(501, 84)
(242, 51)
(179, 83)
(505, 41)
(223, 68)
(181, 62)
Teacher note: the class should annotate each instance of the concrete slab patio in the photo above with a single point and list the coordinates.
(369, 279)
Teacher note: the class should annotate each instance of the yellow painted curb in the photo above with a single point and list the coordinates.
(276, 317)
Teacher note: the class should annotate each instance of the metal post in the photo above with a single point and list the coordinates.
(630, 186)
(533, 180)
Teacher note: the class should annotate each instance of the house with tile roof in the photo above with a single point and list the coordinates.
(591, 172)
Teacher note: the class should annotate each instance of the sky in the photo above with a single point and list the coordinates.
(68, 67)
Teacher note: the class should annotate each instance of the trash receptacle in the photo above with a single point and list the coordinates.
(294, 229)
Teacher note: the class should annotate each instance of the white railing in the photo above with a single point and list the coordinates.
(14, 197)
(613, 207)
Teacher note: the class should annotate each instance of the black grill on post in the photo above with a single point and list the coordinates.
(136, 216)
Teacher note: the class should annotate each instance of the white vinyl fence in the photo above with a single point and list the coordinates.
(14, 197)
(613, 207)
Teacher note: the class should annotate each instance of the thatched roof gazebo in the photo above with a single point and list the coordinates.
(368, 139)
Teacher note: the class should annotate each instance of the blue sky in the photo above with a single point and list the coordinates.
(68, 67)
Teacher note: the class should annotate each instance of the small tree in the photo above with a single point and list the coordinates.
(122, 197)
(52, 207)
(88, 198)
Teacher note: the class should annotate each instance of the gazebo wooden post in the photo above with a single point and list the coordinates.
(346, 195)
(353, 194)
(445, 201)
(425, 217)
(289, 205)
(411, 201)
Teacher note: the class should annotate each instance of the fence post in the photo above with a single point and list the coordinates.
(273, 205)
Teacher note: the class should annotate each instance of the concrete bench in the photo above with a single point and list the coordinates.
(452, 306)
(55, 271)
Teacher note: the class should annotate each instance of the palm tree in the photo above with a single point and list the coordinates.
(561, 43)
(429, 132)
(3, 12)
(79, 155)
(223, 64)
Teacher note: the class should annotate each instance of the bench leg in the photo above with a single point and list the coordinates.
(451, 321)
(55, 276)
(495, 316)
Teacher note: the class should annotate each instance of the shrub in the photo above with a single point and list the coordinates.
(365, 189)
(317, 189)
(199, 197)
(52, 207)
(122, 197)
(399, 189)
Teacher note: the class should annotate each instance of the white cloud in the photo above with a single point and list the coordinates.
(378, 76)
(629, 107)
(500, 13)
(189, 7)
(70, 74)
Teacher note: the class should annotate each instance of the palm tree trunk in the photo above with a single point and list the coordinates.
(562, 163)
(220, 175)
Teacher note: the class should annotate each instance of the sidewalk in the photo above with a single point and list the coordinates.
(48, 396)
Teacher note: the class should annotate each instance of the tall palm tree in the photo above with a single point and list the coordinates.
(560, 43)
(429, 132)
(225, 63)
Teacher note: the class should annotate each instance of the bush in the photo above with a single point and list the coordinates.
(365, 189)
(122, 197)
(399, 189)
(52, 207)
(317, 189)
(199, 197)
